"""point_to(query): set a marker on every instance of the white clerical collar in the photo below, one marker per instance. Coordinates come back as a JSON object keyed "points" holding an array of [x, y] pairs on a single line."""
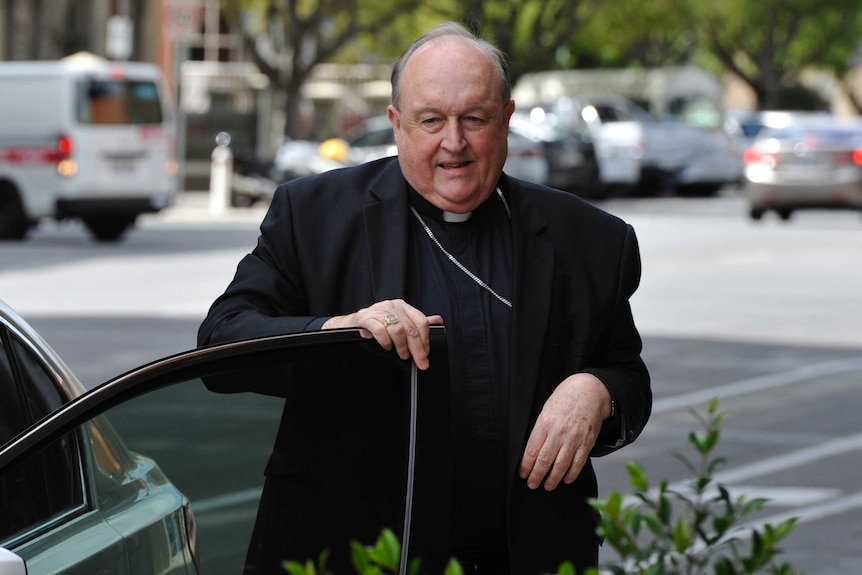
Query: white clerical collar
{"points": [[457, 218]]}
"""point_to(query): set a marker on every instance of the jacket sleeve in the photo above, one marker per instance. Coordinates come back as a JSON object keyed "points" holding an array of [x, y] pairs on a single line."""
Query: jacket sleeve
{"points": [[620, 365], [266, 296]]}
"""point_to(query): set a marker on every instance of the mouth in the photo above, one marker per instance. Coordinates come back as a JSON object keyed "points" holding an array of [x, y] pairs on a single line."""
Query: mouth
{"points": [[454, 165]]}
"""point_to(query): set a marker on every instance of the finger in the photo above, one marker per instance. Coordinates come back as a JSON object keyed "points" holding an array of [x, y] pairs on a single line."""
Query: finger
{"points": [[411, 337], [576, 466], [535, 462], [559, 471]]}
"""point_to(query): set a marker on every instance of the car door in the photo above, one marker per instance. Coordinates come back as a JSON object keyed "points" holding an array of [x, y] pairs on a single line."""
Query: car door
{"points": [[205, 421]]}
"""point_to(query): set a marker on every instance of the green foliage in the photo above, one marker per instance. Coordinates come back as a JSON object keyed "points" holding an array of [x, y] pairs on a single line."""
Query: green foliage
{"points": [[690, 531], [695, 531]]}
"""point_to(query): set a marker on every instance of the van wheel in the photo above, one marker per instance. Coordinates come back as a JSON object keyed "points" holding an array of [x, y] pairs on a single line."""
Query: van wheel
{"points": [[14, 224], [108, 228]]}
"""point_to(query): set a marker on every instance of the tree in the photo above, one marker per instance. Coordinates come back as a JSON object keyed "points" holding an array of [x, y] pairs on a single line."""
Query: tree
{"points": [[770, 42], [288, 38], [625, 33]]}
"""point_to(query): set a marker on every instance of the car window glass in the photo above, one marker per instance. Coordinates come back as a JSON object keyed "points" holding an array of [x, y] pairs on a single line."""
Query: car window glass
{"points": [[42, 390], [607, 113], [118, 101], [12, 418], [213, 448], [44, 490], [27, 390]]}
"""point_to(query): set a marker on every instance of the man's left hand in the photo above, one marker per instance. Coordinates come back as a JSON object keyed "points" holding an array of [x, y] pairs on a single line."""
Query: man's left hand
{"points": [[566, 431]]}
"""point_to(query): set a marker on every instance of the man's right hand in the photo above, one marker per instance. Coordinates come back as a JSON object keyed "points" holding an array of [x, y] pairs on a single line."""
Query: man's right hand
{"points": [[393, 323]]}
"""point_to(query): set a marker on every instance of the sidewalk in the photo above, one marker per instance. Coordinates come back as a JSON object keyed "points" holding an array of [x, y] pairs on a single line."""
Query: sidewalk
{"points": [[194, 206]]}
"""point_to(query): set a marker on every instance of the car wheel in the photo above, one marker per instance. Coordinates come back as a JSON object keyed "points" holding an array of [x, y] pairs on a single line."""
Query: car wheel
{"points": [[13, 221], [784, 214], [756, 213], [240, 200], [109, 228]]}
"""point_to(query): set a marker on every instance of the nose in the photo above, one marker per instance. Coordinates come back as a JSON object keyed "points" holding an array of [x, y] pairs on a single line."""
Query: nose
{"points": [[453, 135]]}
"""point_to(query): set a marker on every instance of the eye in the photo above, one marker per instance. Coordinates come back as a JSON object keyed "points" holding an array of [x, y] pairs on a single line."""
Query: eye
{"points": [[474, 121]]}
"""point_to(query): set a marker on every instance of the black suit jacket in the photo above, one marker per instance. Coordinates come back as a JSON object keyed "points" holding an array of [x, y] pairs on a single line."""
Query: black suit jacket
{"points": [[337, 242]]}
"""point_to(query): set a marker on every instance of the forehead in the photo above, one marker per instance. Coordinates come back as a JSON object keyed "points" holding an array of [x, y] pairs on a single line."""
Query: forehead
{"points": [[450, 68]]}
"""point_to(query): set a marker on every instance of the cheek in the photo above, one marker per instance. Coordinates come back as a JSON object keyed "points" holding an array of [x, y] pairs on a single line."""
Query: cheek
{"points": [[417, 150]]}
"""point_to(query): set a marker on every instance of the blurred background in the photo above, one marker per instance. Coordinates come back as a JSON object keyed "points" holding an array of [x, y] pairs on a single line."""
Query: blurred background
{"points": [[281, 77], [703, 124]]}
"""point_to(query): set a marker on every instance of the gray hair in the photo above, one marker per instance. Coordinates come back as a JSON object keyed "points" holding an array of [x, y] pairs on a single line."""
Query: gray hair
{"points": [[459, 31]]}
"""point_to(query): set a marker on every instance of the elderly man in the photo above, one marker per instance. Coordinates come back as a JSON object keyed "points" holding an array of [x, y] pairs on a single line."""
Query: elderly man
{"points": [[532, 284]]}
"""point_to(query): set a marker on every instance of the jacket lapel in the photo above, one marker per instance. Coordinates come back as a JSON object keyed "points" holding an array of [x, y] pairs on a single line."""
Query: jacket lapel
{"points": [[386, 231]]}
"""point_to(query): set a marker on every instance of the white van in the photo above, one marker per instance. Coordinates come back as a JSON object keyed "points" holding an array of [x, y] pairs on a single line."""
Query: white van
{"points": [[84, 138]]}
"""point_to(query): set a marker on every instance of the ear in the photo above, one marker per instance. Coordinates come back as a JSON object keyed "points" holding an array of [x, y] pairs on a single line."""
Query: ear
{"points": [[393, 117], [510, 109]]}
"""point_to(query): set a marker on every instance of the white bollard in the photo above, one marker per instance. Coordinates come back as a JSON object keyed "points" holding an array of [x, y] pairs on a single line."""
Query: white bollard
{"points": [[221, 170]]}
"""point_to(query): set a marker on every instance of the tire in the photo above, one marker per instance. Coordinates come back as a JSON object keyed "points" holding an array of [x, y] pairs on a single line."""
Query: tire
{"points": [[756, 213], [239, 200], [697, 190], [108, 228], [14, 224], [784, 214]]}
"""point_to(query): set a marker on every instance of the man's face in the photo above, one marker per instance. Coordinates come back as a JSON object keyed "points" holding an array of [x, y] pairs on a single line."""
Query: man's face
{"points": [[451, 124]]}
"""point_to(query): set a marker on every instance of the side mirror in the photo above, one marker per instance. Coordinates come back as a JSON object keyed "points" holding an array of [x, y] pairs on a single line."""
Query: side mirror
{"points": [[11, 564]]}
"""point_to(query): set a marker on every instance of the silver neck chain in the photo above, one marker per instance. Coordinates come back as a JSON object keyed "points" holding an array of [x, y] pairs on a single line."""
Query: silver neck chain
{"points": [[454, 260]]}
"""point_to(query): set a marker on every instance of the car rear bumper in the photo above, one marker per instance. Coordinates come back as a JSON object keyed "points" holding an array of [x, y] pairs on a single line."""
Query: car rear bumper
{"points": [[78, 207]]}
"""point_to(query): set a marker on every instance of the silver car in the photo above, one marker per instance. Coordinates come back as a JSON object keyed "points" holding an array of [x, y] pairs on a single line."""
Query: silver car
{"points": [[811, 164]]}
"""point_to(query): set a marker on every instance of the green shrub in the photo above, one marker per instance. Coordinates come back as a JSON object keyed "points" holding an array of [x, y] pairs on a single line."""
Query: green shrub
{"points": [[697, 531], [690, 532]]}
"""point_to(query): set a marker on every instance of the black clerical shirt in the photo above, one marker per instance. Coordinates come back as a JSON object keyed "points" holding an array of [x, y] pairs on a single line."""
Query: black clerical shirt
{"points": [[479, 340]]}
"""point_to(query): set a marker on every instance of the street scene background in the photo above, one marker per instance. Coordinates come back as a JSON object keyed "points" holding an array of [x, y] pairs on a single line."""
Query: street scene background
{"points": [[762, 315]]}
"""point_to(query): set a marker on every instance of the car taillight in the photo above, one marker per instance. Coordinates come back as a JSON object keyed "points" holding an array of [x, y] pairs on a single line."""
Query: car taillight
{"points": [[754, 156], [857, 156], [66, 166]]}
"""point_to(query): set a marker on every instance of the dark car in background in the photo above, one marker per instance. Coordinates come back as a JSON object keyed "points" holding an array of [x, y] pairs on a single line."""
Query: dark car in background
{"points": [[570, 155], [814, 163]]}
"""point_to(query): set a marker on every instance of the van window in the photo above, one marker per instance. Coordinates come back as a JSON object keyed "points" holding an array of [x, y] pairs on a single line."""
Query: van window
{"points": [[118, 102]]}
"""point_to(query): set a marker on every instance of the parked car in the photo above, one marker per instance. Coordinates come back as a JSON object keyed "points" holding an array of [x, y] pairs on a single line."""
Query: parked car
{"points": [[82, 502], [78, 497], [572, 165], [743, 126], [84, 138], [640, 153], [616, 137], [810, 164]]}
